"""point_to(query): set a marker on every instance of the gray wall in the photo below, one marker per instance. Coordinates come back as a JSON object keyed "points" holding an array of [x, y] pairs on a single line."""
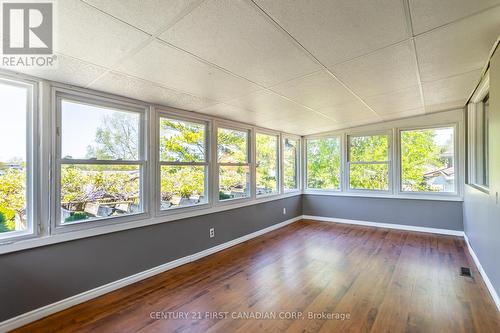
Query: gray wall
{"points": [[481, 210], [421, 213], [33, 278]]}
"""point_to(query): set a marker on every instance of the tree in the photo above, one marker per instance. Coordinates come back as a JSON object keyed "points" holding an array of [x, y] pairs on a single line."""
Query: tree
{"points": [[267, 162], [13, 197], [323, 163], [118, 138], [372, 148], [290, 166], [182, 142], [419, 155]]}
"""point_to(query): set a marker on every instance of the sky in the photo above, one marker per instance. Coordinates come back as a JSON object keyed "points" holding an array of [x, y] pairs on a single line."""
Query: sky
{"points": [[12, 123], [79, 125]]}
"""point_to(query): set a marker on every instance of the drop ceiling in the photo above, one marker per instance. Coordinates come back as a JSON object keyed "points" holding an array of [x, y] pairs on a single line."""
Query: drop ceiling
{"points": [[298, 66]]}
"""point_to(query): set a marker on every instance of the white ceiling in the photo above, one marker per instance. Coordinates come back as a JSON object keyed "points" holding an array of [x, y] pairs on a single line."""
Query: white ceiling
{"points": [[298, 66]]}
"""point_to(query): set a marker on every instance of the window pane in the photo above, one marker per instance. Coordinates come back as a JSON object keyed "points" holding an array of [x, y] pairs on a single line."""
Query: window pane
{"points": [[182, 141], [290, 168], [370, 148], [373, 177], [98, 132], [89, 192], [482, 143], [13, 174], [323, 163], [182, 186], [427, 160], [267, 164], [232, 146], [234, 182]]}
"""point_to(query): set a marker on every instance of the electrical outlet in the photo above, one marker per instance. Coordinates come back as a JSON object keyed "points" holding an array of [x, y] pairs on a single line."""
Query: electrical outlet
{"points": [[284, 211], [212, 232]]}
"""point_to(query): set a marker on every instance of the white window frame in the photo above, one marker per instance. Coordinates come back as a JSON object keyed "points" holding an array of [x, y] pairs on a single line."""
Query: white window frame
{"points": [[208, 157], [342, 161], [298, 159], [279, 159], [389, 161], [250, 162], [33, 171], [456, 165], [143, 161], [473, 108]]}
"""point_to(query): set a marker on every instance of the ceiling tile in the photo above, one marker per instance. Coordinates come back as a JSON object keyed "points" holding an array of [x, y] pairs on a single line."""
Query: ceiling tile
{"points": [[267, 102], [429, 14], [403, 114], [338, 30], [459, 47], [350, 112], [84, 32], [236, 36], [387, 70], [149, 92], [179, 71], [395, 102], [316, 90], [67, 70], [451, 92], [150, 17]]}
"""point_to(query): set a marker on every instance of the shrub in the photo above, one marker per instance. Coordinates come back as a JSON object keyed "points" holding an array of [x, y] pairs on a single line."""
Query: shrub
{"points": [[224, 196], [76, 216], [7, 219]]}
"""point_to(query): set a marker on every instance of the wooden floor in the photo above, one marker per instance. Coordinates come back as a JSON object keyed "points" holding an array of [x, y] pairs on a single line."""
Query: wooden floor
{"points": [[352, 278]]}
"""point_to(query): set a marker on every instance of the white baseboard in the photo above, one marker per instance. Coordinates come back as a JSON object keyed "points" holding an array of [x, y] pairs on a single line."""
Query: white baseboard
{"points": [[486, 280], [385, 225], [47, 310]]}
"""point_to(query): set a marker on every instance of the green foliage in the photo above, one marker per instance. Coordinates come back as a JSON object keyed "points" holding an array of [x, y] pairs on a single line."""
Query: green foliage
{"points": [[223, 196], [7, 219], [373, 148], [290, 166], [76, 216], [12, 198], [182, 141], [267, 162], [323, 163], [118, 138], [232, 146], [419, 154], [89, 183]]}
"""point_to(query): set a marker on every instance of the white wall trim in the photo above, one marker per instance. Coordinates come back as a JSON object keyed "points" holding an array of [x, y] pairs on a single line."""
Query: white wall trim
{"points": [[486, 280], [385, 225], [47, 310]]}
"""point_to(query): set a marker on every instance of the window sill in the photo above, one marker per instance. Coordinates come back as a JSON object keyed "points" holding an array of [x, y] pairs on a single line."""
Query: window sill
{"points": [[9, 246], [387, 195], [480, 188]]}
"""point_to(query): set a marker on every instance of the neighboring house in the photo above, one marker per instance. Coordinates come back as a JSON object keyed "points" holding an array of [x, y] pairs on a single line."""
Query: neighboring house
{"points": [[442, 179]]}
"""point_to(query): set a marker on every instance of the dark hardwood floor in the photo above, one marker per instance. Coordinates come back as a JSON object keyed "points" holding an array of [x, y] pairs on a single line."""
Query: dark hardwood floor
{"points": [[351, 278]]}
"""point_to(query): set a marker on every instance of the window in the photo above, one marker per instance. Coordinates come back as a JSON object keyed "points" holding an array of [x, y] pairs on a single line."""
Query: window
{"points": [[101, 161], [290, 164], [15, 159], [428, 160], [183, 163], [481, 149], [324, 163], [478, 136], [369, 162], [267, 152], [233, 164]]}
